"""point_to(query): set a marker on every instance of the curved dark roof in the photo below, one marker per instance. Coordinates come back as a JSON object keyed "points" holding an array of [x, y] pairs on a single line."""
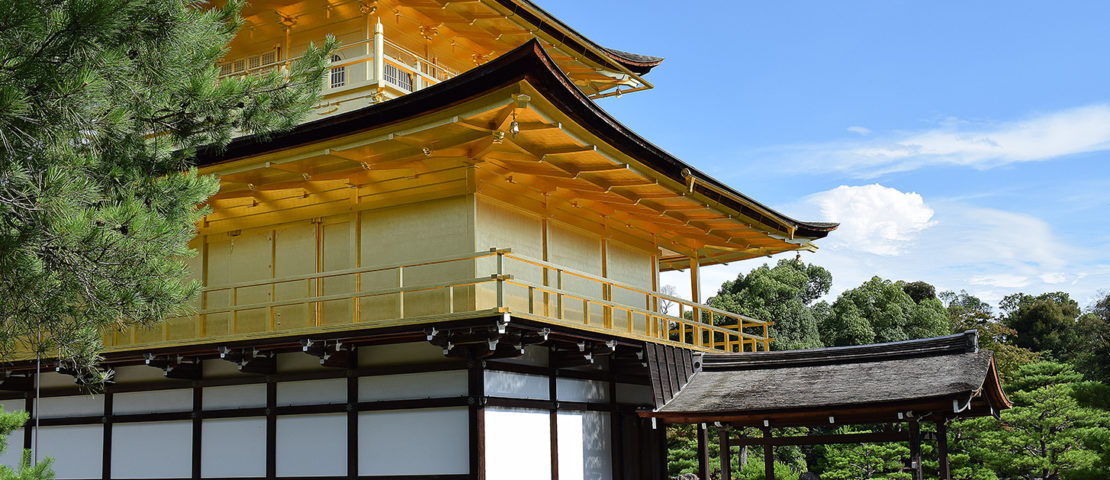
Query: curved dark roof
{"points": [[528, 62], [640, 64], [933, 371]]}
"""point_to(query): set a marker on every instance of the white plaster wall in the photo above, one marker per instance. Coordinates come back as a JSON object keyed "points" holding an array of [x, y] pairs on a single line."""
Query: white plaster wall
{"points": [[585, 446], [299, 361], [518, 444], [139, 374], [312, 445], [233, 447], [72, 406], [516, 385], [152, 450], [177, 400], [413, 442], [450, 383], [234, 396], [533, 355], [578, 390], [312, 392], [76, 449]]}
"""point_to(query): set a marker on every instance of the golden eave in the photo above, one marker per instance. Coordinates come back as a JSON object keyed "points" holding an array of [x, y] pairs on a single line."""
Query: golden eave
{"points": [[552, 167]]}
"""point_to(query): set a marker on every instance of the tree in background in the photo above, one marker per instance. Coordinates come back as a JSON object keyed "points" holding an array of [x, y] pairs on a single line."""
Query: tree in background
{"points": [[1088, 343], [1041, 321], [1046, 435], [967, 312], [784, 294], [103, 104], [881, 311]]}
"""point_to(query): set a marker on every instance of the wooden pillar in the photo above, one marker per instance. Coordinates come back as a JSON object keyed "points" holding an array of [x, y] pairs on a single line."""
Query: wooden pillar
{"points": [[703, 451], [726, 454], [915, 450], [944, 471], [768, 456], [476, 390], [695, 281], [664, 455]]}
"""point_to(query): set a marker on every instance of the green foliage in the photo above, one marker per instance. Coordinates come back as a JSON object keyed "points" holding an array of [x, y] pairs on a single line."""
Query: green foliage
{"points": [[103, 104], [757, 471], [1088, 344], [967, 312], [880, 311], [1047, 434], [783, 294], [1041, 321], [919, 291], [10, 422], [868, 460]]}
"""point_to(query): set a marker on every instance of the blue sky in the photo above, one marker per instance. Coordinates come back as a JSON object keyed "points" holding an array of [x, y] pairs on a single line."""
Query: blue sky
{"points": [[966, 144]]}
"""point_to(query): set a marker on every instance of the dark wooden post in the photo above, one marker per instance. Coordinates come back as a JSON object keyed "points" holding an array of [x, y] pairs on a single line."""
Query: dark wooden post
{"points": [[703, 451], [768, 456], [915, 450], [944, 472], [726, 454]]}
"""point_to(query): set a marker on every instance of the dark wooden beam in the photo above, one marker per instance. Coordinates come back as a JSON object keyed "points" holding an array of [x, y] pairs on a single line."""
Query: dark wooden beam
{"points": [[726, 454], [768, 455], [703, 451], [944, 472], [874, 437], [915, 450], [476, 391], [106, 458]]}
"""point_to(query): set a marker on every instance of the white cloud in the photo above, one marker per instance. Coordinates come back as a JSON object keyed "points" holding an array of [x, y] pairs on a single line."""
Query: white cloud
{"points": [[873, 218], [1054, 278], [860, 130], [953, 142], [989, 252]]}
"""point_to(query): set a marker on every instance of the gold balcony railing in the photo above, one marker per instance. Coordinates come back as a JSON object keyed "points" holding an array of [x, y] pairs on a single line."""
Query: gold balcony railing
{"points": [[447, 288]]}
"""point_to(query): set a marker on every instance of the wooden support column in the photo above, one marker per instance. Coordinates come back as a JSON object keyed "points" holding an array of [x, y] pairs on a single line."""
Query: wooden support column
{"points": [[726, 453], [660, 434], [944, 471], [106, 458], [352, 417], [198, 410], [695, 295], [271, 428], [768, 456], [915, 450], [553, 426], [476, 381], [703, 451]]}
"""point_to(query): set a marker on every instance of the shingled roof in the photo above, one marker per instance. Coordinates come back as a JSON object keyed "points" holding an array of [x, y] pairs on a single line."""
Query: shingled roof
{"points": [[949, 375]]}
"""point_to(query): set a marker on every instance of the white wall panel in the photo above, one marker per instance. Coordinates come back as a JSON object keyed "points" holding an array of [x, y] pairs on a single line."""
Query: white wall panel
{"points": [[312, 445], [178, 400], [74, 406], [152, 450], [139, 374], [578, 390], [413, 442], [516, 385], [77, 449], [234, 396], [585, 446], [518, 444], [450, 383], [233, 447], [312, 392]]}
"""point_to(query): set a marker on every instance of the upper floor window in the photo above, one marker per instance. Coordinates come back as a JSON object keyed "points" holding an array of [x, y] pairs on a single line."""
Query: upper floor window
{"points": [[338, 74]]}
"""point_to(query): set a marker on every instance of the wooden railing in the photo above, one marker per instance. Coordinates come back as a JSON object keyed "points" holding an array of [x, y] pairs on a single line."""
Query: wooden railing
{"points": [[399, 69], [445, 288]]}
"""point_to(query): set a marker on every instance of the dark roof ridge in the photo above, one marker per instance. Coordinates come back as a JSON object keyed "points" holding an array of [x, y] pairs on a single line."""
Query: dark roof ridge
{"points": [[965, 342], [640, 64]]}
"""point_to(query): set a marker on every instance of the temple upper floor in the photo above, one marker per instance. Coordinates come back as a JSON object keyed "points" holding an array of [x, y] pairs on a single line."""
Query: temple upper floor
{"points": [[390, 48]]}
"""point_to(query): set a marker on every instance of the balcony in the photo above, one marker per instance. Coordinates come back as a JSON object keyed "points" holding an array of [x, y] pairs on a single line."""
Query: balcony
{"points": [[446, 289], [361, 73]]}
